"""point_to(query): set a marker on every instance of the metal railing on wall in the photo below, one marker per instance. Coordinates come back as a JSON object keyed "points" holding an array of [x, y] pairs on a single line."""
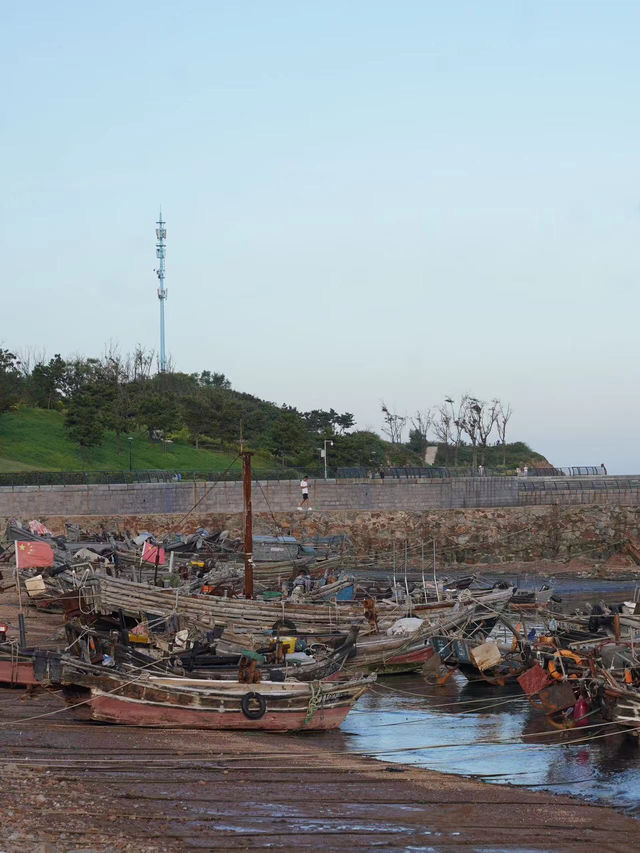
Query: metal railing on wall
{"points": [[81, 478], [536, 478]]}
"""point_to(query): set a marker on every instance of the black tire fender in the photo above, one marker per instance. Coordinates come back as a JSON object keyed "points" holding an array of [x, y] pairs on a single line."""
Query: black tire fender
{"points": [[252, 713]]}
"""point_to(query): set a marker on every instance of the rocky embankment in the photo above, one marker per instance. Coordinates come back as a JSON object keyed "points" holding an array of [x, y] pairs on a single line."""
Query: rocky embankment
{"points": [[580, 538]]}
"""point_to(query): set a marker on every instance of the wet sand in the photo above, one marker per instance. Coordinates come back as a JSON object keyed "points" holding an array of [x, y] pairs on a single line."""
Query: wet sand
{"points": [[78, 786], [105, 788]]}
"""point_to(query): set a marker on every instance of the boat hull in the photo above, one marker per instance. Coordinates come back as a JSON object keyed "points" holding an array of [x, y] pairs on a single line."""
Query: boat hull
{"points": [[169, 702], [17, 673], [400, 664], [27, 667], [124, 712]]}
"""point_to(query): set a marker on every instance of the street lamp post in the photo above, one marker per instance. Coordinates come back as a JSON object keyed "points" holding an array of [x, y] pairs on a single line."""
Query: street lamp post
{"points": [[130, 440], [323, 454]]}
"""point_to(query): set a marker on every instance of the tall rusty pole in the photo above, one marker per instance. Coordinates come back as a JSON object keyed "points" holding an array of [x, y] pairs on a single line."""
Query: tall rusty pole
{"points": [[248, 525]]}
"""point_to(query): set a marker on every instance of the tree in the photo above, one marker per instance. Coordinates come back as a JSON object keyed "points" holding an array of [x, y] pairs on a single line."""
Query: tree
{"points": [[46, 382], [478, 421], [141, 363], [120, 405], [214, 380], [10, 380], [394, 424], [227, 420], [323, 423], [198, 415], [84, 416], [320, 422], [77, 372], [344, 422], [442, 428], [159, 413], [447, 424], [469, 425], [288, 436], [503, 418], [486, 423], [176, 383], [362, 448], [418, 436]]}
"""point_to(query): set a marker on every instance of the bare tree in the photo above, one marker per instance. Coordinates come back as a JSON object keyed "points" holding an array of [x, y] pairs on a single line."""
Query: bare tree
{"points": [[478, 421], [455, 413], [470, 425], [421, 422], [504, 415], [29, 357], [394, 424], [487, 421], [442, 428], [142, 363]]}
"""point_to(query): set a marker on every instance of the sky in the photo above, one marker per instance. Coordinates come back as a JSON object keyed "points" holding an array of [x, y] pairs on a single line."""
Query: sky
{"points": [[365, 201]]}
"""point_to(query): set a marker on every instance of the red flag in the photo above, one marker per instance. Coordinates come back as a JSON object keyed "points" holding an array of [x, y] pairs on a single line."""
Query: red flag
{"points": [[149, 552], [31, 555]]}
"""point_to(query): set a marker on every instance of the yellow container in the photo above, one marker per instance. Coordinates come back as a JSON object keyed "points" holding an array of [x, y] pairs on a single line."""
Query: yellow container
{"points": [[139, 638], [288, 643]]}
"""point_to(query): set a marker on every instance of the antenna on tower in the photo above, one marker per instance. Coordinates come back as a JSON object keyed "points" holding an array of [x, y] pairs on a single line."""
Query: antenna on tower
{"points": [[161, 248]]}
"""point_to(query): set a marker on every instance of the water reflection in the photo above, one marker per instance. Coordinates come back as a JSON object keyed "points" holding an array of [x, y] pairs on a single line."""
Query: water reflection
{"points": [[493, 734]]}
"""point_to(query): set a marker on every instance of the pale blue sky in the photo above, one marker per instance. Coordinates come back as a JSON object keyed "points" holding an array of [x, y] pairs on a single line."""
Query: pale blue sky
{"points": [[364, 200]]}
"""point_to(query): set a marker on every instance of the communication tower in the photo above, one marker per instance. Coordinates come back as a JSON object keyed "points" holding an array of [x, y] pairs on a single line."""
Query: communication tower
{"points": [[161, 248]]}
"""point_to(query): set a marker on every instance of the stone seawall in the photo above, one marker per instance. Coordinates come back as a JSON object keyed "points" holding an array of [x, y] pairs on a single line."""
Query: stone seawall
{"points": [[461, 535], [327, 496]]}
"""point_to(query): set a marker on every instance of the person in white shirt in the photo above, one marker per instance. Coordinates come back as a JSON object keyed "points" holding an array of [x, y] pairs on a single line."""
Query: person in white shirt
{"points": [[304, 485]]}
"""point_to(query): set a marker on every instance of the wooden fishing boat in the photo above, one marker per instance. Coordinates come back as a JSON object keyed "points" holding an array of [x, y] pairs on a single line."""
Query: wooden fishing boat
{"points": [[26, 667], [488, 597], [391, 654], [104, 595], [16, 667], [479, 658], [92, 643], [615, 671], [94, 693]]}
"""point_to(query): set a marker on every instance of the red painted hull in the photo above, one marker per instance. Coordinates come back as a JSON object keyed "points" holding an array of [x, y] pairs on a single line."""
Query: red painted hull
{"points": [[111, 709], [17, 673], [419, 656]]}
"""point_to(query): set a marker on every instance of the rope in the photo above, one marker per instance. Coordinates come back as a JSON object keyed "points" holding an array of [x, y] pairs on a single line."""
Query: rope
{"points": [[197, 503], [315, 701], [277, 526]]}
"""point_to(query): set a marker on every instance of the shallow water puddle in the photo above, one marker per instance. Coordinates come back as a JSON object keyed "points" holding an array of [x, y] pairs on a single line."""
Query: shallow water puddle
{"points": [[493, 734]]}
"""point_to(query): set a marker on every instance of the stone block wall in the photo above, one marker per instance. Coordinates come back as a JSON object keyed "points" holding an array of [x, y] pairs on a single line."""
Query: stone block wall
{"points": [[277, 496], [326, 496]]}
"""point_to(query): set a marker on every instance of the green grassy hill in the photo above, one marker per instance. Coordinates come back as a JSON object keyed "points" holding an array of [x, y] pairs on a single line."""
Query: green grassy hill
{"points": [[515, 454], [35, 440]]}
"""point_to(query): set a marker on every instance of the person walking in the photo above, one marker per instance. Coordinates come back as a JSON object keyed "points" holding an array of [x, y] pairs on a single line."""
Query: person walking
{"points": [[304, 485]]}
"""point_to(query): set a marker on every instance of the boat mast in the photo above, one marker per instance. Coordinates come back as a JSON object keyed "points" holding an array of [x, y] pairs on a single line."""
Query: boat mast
{"points": [[248, 524]]}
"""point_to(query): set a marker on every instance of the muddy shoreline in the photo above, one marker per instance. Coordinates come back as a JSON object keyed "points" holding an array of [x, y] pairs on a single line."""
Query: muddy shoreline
{"points": [[100, 788], [69, 786]]}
